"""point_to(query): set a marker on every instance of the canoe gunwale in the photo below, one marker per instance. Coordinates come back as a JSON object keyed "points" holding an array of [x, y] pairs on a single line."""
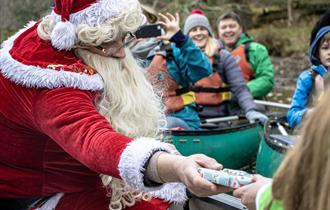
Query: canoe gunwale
{"points": [[277, 145], [233, 128]]}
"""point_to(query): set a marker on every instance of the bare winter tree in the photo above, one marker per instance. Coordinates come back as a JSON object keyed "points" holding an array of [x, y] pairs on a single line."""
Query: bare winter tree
{"points": [[289, 8]]}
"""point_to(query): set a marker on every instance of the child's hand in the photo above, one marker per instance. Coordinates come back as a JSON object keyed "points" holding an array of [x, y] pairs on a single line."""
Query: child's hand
{"points": [[319, 85], [170, 25], [248, 193]]}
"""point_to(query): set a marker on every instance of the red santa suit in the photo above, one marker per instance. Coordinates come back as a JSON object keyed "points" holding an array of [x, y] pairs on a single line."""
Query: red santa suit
{"points": [[53, 139]]}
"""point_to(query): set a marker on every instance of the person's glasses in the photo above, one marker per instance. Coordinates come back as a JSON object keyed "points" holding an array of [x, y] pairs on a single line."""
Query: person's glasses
{"points": [[128, 38]]}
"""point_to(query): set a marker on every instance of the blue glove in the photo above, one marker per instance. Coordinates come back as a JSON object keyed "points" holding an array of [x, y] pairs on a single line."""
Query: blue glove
{"points": [[252, 116]]}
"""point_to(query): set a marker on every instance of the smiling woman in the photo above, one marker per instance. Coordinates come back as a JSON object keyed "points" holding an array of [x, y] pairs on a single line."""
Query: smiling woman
{"points": [[198, 27], [213, 93]]}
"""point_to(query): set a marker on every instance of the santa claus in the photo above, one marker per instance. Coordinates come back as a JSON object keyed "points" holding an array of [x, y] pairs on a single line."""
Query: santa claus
{"points": [[78, 120]]}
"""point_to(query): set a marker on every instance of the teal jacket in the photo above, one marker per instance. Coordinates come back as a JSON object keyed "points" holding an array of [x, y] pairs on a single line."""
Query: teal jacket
{"points": [[262, 66], [188, 66]]}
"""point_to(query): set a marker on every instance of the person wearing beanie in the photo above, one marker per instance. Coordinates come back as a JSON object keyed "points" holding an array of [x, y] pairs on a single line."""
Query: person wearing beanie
{"points": [[197, 18], [81, 126], [252, 57], [213, 93], [310, 83]]}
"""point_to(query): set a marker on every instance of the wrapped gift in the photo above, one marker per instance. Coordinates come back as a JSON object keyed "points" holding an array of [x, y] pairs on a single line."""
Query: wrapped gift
{"points": [[226, 177]]}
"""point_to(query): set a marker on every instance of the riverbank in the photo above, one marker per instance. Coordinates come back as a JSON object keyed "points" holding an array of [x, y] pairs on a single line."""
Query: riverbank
{"points": [[287, 70]]}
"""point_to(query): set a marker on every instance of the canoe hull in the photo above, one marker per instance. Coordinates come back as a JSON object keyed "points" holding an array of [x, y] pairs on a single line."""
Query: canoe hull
{"points": [[272, 149], [268, 160], [234, 147]]}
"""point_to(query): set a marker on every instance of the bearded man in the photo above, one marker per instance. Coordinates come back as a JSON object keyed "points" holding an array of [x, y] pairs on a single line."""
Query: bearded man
{"points": [[74, 107]]}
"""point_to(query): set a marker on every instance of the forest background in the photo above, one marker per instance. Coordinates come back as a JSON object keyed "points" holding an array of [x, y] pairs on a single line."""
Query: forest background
{"points": [[283, 26]]}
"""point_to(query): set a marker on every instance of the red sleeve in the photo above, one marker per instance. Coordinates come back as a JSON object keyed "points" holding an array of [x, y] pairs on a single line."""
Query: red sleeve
{"points": [[69, 117]]}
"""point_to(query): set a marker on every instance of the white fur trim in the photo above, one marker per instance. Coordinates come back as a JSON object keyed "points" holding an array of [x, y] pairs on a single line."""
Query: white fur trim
{"points": [[63, 36], [51, 202], [99, 12], [131, 170], [34, 76]]}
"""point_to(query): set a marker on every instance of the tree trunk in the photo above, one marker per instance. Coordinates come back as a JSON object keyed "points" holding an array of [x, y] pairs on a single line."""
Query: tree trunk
{"points": [[289, 8]]}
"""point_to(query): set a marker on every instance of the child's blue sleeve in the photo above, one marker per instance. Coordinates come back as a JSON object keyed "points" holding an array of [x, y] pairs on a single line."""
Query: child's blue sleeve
{"points": [[300, 99]]}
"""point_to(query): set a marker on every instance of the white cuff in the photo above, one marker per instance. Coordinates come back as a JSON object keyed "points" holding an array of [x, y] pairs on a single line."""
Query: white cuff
{"points": [[51, 203], [132, 161]]}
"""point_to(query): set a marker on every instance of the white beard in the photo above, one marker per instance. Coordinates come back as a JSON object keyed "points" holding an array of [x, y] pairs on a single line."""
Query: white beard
{"points": [[128, 100]]}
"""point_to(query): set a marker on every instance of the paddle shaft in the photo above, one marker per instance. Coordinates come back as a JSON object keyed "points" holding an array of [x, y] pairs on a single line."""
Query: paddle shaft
{"points": [[282, 129], [273, 104], [221, 119]]}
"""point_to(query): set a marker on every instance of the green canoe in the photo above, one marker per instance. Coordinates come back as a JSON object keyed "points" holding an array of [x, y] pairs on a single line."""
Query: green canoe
{"points": [[233, 144], [273, 148]]}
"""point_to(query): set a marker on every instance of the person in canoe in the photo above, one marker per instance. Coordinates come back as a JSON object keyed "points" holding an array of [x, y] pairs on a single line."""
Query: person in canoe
{"points": [[79, 123], [252, 56], [172, 62], [176, 63], [310, 83], [219, 94]]}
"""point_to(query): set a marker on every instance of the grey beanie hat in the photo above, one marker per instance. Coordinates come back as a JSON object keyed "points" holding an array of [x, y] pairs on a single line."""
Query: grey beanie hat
{"points": [[196, 20]]}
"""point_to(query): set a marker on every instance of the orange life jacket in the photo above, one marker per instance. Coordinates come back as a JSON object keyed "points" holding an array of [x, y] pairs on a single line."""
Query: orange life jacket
{"points": [[211, 90], [240, 55], [159, 77]]}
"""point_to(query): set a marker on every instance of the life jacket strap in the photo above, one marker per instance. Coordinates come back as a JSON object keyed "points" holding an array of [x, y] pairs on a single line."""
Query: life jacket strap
{"points": [[209, 89], [188, 98]]}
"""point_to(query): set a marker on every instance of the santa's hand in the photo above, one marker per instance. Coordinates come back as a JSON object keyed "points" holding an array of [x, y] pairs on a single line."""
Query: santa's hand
{"points": [[248, 193], [184, 169]]}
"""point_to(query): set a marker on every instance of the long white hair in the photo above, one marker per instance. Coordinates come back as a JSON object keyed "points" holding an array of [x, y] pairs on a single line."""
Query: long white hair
{"points": [[128, 100]]}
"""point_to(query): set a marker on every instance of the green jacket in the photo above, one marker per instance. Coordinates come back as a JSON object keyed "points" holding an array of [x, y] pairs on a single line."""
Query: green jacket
{"points": [[262, 66]]}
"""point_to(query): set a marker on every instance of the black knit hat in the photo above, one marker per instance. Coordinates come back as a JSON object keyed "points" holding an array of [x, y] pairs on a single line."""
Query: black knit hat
{"points": [[324, 21]]}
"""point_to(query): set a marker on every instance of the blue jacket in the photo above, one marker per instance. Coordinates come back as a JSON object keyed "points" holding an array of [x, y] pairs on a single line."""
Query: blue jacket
{"points": [[302, 93], [190, 64], [305, 82]]}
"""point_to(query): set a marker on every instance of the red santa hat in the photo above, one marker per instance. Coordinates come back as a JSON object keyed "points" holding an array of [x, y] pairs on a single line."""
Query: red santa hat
{"points": [[29, 60], [68, 14]]}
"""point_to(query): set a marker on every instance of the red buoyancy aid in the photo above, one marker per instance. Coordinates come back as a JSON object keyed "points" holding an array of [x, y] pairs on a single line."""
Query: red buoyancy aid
{"points": [[240, 55], [159, 77], [211, 90]]}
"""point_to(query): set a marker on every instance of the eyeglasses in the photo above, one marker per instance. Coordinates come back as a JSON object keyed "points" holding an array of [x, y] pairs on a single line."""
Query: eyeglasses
{"points": [[128, 38]]}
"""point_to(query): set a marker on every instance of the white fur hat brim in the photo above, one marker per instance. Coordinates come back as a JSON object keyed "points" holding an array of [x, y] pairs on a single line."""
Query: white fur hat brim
{"points": [[63, 36]]}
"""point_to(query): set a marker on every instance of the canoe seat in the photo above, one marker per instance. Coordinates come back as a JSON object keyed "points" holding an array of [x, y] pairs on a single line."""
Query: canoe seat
{"points": [[209, 126]]}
